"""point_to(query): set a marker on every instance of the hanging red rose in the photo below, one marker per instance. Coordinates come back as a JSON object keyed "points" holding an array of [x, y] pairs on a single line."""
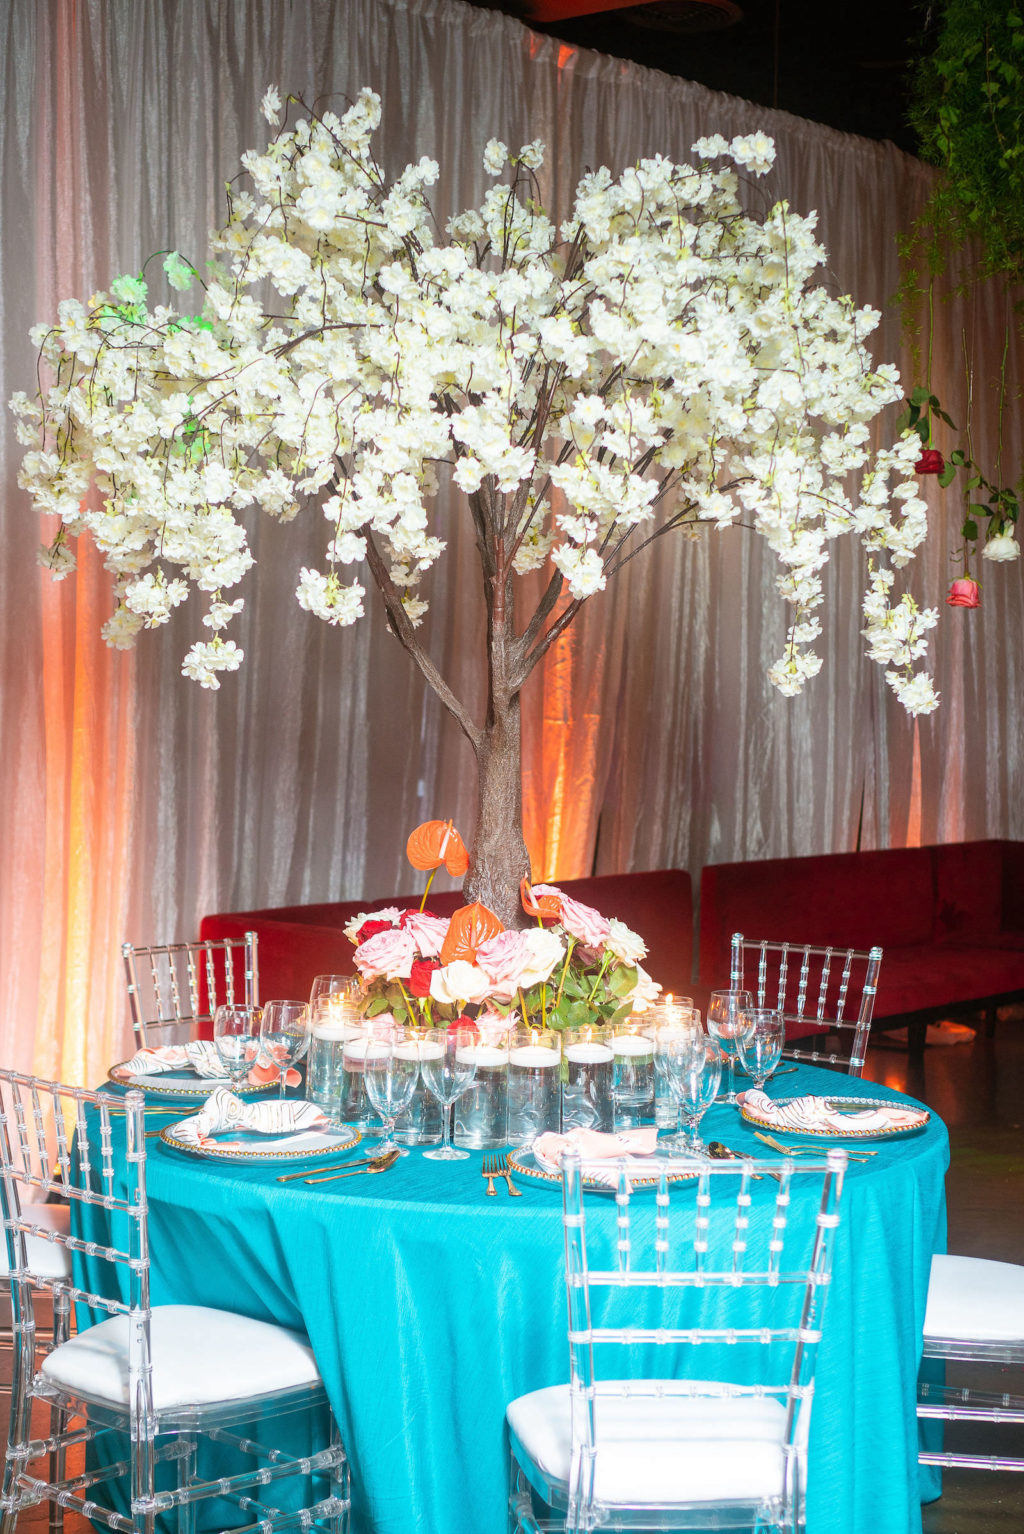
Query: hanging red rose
{"points": [[931, 461], [964, 593]]}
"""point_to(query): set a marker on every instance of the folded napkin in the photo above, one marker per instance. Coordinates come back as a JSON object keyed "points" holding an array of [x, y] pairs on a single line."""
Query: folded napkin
{"points": [[200, 1056], [596, 1145], [224, 1111], [814, 1114]]}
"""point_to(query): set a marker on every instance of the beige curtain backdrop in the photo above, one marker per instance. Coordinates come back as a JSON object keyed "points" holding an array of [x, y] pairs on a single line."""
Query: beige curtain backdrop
{"points": [[131, 801]]}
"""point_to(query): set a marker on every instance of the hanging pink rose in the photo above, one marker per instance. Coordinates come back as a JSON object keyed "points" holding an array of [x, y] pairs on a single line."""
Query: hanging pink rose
{"points": [[931, 461], [964, 593], [388, 955], [584, 923]]}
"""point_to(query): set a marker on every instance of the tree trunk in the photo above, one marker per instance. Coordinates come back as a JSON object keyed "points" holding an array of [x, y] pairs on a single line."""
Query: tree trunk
{"points": [[498, 859]]}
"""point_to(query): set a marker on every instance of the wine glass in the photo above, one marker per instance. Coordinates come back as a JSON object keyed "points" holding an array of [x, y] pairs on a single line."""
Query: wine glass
{"points": [[235, 1031], [447, 1065], [390, 1075], [284, 1034], [761, 1046], [693, 1070], [728, 1020]]}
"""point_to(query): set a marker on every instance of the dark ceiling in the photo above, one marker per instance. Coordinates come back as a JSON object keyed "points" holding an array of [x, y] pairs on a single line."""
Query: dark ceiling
{"points": [[841, 64]]}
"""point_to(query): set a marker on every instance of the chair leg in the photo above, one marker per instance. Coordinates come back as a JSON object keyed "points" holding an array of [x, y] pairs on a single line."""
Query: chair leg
{"points": [[340, 1484], [58, 1466], [186, 1475]]}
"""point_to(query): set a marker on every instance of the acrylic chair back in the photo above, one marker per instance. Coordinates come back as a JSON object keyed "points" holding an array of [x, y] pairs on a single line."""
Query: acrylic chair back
{"points": [[731, 1258], [175, 988], [56, 1139], [819, 991]]}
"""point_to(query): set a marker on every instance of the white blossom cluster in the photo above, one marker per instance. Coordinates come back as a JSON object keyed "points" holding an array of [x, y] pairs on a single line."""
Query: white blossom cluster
{"points": [[663, 357]]}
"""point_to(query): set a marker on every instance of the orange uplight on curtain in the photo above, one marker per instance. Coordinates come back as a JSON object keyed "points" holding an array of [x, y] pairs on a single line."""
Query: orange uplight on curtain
{"points": [[913, 836]]}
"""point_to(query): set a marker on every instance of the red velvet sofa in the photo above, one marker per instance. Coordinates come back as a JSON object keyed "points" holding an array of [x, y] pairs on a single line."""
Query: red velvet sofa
{"points": [[949, 919], [298, 942]]}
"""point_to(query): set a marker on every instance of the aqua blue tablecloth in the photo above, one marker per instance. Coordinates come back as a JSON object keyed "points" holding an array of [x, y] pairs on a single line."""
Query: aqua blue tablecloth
{"points": [[430, 1307]]}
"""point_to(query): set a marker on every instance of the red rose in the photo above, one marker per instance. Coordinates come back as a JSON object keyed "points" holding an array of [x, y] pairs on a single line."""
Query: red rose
{"points": [[414, 915], [370, 929], [462, 1022], [419, 978], [931, 461], [964, 593]]}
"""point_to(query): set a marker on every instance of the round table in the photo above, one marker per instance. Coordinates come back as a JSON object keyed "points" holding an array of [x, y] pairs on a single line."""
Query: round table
{"points": [[430, 1306]]}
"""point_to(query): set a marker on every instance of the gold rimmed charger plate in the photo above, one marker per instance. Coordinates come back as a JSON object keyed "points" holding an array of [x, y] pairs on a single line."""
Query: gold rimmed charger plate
{"points": [[311, 1145], [181, 1086], [844, 1105], [525, 1164]]}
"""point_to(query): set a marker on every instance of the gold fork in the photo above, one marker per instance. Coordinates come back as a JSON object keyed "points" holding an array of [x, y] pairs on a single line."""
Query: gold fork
{"points": [[807, 1150], [489, 1169], [502, 1170]]}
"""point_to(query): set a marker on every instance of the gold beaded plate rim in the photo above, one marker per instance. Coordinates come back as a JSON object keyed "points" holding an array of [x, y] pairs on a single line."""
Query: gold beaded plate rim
{"points": [[188, 1090], [525, 1164], [212, 1152], [895, 1132]]}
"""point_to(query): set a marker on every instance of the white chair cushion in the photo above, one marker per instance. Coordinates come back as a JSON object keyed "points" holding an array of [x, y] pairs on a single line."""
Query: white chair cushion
{"points": [[975, 1300], [200, 1356], [46, 1258], [660, 1451]]}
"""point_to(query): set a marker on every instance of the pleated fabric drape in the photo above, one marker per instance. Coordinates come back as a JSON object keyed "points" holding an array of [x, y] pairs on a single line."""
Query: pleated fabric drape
{"points": [[131, 801]]}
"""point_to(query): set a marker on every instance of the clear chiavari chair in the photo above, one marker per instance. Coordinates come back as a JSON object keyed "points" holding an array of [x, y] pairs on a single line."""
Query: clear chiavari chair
{"points": [[975, 1314], [149, 1386], [174, 987], [819, 991], [649, 1441]]}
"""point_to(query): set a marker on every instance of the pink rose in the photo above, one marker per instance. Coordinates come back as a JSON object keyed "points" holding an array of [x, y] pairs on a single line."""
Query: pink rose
{"points": [[584, 923], [427, 932], [389, 954], [964, 593], [504, 959], [492, 1027]]}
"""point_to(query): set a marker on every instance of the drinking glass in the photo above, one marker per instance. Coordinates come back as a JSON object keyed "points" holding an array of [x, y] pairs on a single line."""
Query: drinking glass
{"points": [[761, 1046], [672, 1019], [235, 1037], [693, 1070], [390, 1076], [284, 1034], [728, 1020], [447, 1065]]}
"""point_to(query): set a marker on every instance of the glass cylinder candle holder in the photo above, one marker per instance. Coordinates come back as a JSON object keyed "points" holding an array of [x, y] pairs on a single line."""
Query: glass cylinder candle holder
{"points": [[332, 1025], [534, 1084], [632, 1074], [587, 1079], [669, 1019], [420, 1123], [356, 1108], [481, 1112]]}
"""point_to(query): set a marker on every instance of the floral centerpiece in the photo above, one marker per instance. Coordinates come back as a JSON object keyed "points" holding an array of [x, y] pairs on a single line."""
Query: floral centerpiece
{"points": [[668, 355], [574, 968]]}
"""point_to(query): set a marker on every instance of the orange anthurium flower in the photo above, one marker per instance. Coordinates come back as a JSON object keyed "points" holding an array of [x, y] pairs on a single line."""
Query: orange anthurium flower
{"points": [[468, 929], [436, 842], [545, 901]]}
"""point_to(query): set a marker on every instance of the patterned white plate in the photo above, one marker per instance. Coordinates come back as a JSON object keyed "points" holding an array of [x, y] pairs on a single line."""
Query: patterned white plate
{"points": [[246, 1145], [182, 1086], [603, 1176], [842, 1105]]}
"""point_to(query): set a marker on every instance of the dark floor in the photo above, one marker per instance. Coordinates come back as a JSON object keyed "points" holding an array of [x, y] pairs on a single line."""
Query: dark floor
{"points": [[978, 1089]]}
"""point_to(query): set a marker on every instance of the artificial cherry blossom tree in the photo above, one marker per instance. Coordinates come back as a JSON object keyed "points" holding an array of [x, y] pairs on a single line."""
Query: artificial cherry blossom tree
{"points": [[663, 359]]}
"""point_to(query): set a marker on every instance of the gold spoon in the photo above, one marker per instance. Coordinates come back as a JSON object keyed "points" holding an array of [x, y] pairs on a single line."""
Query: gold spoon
{"points": [[379, 1164]]}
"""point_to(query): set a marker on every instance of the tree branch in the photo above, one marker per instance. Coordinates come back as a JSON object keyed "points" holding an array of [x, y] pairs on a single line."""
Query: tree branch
{"points": [[404, 632]]}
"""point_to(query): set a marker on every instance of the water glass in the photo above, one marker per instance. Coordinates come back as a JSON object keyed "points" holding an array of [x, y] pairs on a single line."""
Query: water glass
{"points": [[674, 1018], [284, 1035], [693, 1069], [534, 1085], [632, 1074], [761, 1046], [587, 1085], [236, 1040], [390, 1074], [447, 1065], [727, 1022]]}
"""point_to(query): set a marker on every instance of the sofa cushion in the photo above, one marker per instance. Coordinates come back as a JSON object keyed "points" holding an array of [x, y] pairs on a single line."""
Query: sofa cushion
{"points": [[923, 978]]}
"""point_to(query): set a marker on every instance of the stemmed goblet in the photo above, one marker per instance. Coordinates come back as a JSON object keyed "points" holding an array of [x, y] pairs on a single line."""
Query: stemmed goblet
{"points": [[390, 1076], [235, 1038], [447, 1065], [693, 1071], [728, 1020], [761, 1045], [284, 1034]]}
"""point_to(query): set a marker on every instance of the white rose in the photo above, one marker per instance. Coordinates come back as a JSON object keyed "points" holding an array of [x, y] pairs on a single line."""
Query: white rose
{"points": [[1002, 546], [645, 992], [626, 945], [544, 950], [458, 983]]}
